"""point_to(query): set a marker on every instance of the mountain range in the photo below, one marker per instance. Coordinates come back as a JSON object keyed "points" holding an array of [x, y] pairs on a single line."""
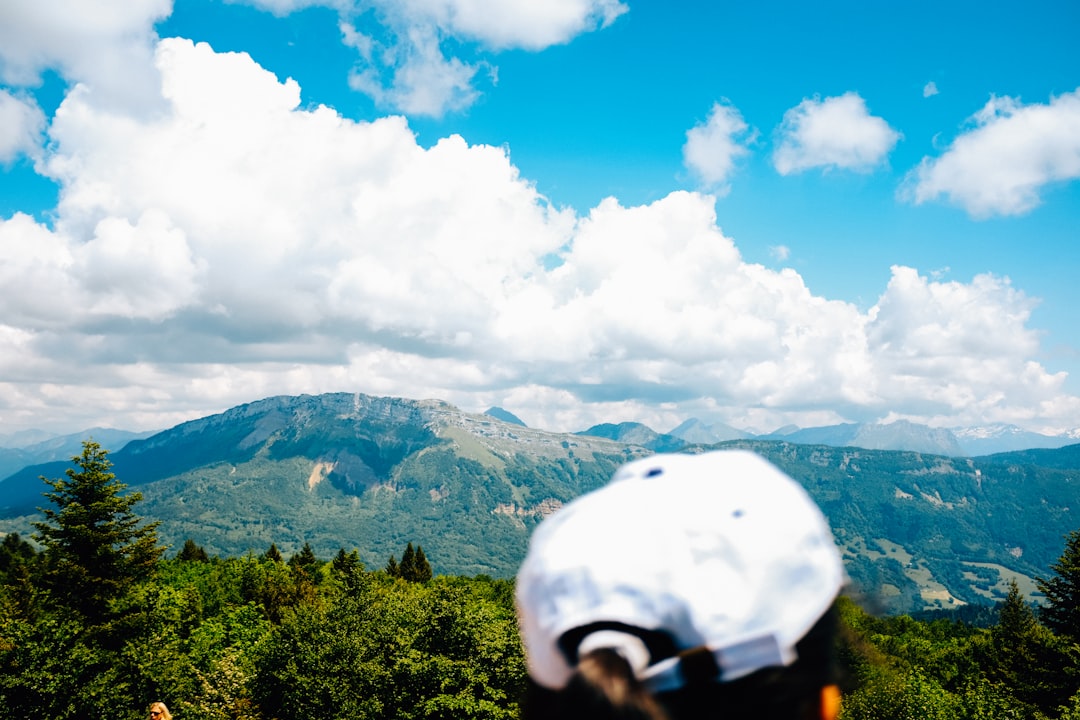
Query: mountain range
{"points": [[918, 529]]}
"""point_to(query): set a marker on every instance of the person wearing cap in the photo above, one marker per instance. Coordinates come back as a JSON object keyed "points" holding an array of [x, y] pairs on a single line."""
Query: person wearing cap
{"points": [[690, 586]]}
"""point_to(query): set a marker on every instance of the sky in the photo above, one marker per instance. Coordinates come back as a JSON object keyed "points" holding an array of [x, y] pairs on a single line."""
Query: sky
{"points": [[581, 211]]}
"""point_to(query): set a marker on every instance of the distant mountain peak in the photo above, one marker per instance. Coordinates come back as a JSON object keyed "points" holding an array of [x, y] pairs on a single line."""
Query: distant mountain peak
{"points": [[635, 433], [505, 415], [696, 432]]}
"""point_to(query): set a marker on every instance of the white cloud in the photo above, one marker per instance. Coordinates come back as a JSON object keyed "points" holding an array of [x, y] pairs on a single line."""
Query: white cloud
{"points": [[1001, 165], [106, 45], [504, 24], [958, 350], [837, 132], [22, 125], [498, 24], [403, 65], [780, 252], [713, 147], [424, 81], [237, 246], [930, 89]]}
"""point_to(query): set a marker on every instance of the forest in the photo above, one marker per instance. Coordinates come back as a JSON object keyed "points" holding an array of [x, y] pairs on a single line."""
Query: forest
{"points": [[99, 619]]}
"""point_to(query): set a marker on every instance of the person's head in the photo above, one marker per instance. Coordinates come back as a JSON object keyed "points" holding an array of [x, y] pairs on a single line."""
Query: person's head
{"points": [[689, 586], [158, 711]]}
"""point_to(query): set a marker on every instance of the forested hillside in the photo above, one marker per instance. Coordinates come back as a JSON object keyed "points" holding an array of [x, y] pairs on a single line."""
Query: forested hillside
{"points": [[99, 622], [355, 471]]}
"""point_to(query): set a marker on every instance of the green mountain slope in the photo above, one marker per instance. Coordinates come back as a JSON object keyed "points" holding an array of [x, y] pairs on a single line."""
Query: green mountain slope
{"points": [[355, 471]]}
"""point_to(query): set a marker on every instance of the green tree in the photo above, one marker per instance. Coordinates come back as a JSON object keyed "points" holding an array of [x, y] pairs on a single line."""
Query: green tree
{"points": [[273, 554], [95, 547], [414, 565], [408, 563], [421, 566], [14, 552], [306, 563], [1061, 612], [192, 552], [1025, 656]]}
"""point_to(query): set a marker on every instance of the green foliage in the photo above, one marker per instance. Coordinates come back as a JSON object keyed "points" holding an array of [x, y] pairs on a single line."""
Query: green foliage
{"points": [[1061, 613], [414, 566], [273, 554], [389, 649], [95, 547], [251, 637], [305, 564], [192, 552]]}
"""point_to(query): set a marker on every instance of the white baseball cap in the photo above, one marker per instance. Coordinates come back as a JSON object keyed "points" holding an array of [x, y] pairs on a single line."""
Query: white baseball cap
{"points": [[720, 552]]}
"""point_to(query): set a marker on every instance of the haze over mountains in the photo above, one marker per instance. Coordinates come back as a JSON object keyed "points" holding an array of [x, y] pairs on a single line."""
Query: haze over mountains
{"points": [[918, 528]]}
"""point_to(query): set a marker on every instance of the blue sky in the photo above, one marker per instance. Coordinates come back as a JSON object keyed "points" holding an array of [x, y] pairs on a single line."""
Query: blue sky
{"points": [[582, 211]]}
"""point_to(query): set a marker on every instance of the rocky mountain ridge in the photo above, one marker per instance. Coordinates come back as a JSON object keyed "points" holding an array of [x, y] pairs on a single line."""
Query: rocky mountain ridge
{"points": [[347, 470]]}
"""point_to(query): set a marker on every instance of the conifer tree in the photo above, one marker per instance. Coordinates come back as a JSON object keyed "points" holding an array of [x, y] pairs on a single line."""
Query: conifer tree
{"points": [[1027, 658], [95, 547], [414, 565], [191, 552], [306, 563], [273, 554], [407, 568], [347, 562], [421, 567], [1061, 612], [14, 552]]}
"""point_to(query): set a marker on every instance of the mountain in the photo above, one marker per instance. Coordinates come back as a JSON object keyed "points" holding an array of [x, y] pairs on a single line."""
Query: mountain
{"points": [[899, 435], [345, 470], [505, 415], [695, 432], [1000, 438], [23, 438], [59, 447], [350, 471], [1065, 458], [633, 433], [904, 435]]}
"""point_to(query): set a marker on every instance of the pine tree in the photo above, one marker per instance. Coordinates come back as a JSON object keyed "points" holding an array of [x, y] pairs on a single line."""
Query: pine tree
{"points": [[1027, 658], [1061, 612], [14, 553], [407, 568], [414, 565], [273, 554], [95, 547], [306, 563], [421, 567], [348, 570], [191, 552]]}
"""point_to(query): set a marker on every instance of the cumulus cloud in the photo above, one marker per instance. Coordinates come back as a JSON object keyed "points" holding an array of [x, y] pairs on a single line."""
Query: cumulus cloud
{"points": [[930, 89], [238, 245], [1000, 165], [106, 46], [948, 344], [412, 76], [713, 147], [403, 64], [22, 126], [837, 132]]}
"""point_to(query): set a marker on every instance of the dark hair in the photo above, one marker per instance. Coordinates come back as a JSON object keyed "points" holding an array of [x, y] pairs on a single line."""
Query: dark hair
{"points": [[603, 687]]}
